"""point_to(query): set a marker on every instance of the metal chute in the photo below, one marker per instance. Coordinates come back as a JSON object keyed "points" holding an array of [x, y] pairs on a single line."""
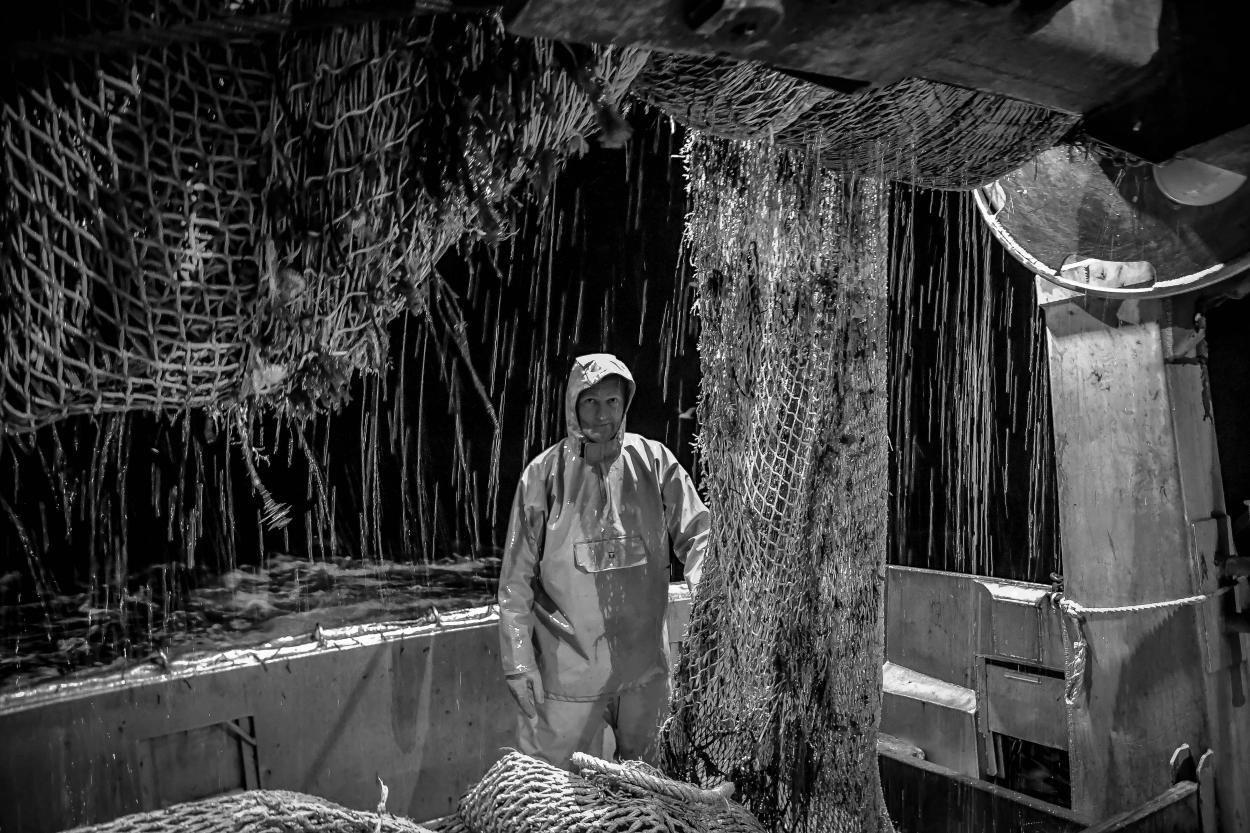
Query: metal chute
{"points": [[1112, 226]]}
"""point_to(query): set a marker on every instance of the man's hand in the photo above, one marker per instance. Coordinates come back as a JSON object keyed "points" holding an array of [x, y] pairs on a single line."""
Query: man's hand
{"points": [[527, 689]]}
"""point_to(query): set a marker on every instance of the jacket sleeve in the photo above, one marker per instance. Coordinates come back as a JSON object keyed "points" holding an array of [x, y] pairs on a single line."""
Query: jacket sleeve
{"points": [[688, 520], [526, 525]]}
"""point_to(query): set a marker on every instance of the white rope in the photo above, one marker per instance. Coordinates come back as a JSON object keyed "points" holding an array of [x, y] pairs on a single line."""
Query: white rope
{"points": [[1075, 615], [1076, 609]]}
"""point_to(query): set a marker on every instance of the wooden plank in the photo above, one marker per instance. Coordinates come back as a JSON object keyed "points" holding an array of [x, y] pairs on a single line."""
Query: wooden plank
{"points": [[1181, 765], [1206, 792], [863, 40], [923, 797], [1079, 55], [1229, 150], [1175, 810], [1125, 540], [1226, 681], [1112, 39]]}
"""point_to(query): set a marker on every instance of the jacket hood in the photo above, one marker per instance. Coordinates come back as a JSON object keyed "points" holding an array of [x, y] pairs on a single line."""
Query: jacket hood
{"points": [[587, 371]]}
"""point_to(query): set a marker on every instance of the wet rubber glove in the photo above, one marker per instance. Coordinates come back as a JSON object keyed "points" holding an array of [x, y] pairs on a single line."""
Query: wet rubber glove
{"points": [[527, 689]]}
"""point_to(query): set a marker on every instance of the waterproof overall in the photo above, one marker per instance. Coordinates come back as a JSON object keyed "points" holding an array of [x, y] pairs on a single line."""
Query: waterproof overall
{"points": [[583, 588]]}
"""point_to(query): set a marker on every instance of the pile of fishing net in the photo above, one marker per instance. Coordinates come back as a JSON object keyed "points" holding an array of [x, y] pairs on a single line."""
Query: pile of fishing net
{"points": [[258, 811], [520, 794], [221, 204]]}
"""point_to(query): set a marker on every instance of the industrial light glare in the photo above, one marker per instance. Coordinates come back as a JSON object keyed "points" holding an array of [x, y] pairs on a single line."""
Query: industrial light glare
{"points": [[1190, 182]]}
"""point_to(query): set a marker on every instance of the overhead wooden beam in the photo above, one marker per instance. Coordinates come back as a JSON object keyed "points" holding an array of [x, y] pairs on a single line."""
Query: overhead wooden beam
{"points": [[1069, 56]]}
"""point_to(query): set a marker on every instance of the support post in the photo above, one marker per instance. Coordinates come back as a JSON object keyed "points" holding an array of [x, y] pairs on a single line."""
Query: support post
{"points": [[1140, 509]]}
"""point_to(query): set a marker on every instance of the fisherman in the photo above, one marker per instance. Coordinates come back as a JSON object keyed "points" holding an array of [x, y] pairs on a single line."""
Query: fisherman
{"points": [[583, 588]]}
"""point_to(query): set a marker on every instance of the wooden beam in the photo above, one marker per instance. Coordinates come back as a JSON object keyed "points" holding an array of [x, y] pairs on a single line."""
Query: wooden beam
{"points": [[1229, 150], [1125, 541], [922, 796], [1070, 56], [1175, 810], [1139, 485]]}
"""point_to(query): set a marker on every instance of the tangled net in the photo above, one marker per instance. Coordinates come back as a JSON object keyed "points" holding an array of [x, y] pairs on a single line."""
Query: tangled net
{"points": [[231, 221], [258, 811], [915, 131], [778, 688], [520, 794]]}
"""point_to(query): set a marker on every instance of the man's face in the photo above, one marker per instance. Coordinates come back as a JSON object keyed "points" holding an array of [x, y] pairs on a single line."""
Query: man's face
{"points": [[600, 408]]}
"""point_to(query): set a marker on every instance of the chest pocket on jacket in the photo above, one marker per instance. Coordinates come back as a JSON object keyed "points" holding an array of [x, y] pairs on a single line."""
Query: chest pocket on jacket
{"points": [[600, 554]]}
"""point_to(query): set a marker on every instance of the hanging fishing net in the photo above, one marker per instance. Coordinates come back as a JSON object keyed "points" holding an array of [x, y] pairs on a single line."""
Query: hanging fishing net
{"points": [[778, 688], [922, 132], [207, 209]]}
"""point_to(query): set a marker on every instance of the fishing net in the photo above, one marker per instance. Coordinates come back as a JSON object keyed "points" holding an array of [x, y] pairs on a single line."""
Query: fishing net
{"points": [[258, 811], [520, 794], [778, 688], [916, 131], [203, 213]]}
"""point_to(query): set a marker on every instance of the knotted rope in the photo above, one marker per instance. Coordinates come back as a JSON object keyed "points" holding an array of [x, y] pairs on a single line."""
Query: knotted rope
{"points": [[1074, 615], [520, 794], [645, 781]]}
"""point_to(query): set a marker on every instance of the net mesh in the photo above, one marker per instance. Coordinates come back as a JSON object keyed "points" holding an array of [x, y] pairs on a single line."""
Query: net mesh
{"points": [[778, 687], [520, 794], [916, 131], [258, 811], [233, 221]]}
